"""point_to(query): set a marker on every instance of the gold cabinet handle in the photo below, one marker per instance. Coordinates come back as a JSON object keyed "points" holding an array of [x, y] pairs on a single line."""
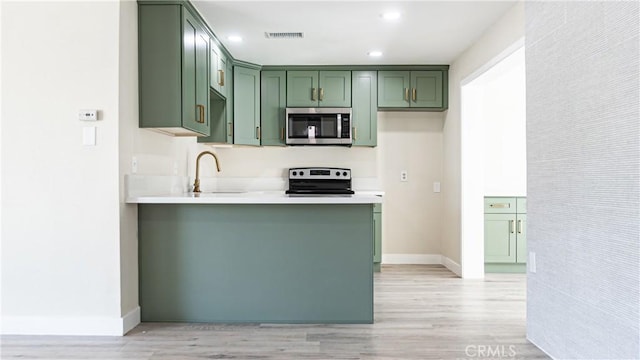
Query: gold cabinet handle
{"points": [[281, 133], [313, 94], [415, 94], [406, 94], [200, 113], [258, 132], [230, 129], [512, 224], [321, 94], [221, 77], [519, 226], [500, 205], [354, 132]]}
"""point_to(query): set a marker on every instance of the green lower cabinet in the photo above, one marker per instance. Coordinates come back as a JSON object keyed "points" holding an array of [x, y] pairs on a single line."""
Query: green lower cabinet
{"points": [[364, 109], [377, 237], [246, 106], [500, 238], [505, 237], [273, 103]]}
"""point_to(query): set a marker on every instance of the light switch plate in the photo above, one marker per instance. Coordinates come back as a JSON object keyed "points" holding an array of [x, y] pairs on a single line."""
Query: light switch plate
{"points": [[436, 187], [532, 262], [89, 136]]}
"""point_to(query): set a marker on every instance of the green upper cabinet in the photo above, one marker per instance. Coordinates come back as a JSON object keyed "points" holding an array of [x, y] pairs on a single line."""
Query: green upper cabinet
{"points": [[173, 70], [273, 103], [218, 69], [364, 118], [246, 106], [426, 89], [319, 88]]}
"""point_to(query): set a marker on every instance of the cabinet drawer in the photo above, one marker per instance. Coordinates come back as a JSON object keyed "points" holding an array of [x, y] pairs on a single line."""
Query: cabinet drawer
{"points": [[521, 205], [500, 205]]}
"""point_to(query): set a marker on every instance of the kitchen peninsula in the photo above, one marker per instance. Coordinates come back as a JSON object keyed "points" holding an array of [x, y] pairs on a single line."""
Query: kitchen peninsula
{"points": [[256, 257]]}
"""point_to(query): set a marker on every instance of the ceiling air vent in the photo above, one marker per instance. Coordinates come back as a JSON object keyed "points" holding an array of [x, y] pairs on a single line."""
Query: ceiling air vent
{"points": [[283, 35]]}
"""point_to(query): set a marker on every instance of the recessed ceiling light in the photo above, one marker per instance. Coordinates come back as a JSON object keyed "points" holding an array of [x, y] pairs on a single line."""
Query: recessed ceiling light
{"points": [[234, 38], [375, 53], [391, 16]]}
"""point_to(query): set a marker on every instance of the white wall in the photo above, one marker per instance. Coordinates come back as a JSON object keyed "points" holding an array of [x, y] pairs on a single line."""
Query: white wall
{"points": [[503, 119], [412, 220], [60, 218], [583, 206], [500, 36]]}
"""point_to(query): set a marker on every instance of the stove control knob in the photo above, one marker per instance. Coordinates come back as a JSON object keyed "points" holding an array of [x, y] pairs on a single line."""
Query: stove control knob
{"points": [[337, 173], [301, 173], [295, 173], [344, 173]]}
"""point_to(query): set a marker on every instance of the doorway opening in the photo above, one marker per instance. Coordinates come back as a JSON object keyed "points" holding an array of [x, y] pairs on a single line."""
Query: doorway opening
{"points": [[493, 146]]}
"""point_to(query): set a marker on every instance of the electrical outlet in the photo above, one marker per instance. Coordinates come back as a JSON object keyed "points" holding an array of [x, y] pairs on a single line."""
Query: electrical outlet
{"points": [[134, 165], [404, 176], [436, 187], [532, 262]]}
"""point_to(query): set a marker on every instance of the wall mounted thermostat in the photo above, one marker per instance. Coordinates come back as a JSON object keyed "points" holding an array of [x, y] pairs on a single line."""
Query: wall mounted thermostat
{"points": [[88, 115]]}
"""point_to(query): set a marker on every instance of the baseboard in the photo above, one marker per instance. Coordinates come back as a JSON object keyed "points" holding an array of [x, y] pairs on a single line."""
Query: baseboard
{"points": [[83, 326], [411, 259], [131, 320], [452, 265]]}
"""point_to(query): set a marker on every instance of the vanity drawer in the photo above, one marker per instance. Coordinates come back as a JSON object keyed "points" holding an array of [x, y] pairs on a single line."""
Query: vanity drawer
{"points": [[500, 205], [521, 205]]}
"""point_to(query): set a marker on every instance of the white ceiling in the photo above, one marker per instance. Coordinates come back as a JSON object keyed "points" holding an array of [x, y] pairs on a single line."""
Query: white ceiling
{"points": [[343, 32]]}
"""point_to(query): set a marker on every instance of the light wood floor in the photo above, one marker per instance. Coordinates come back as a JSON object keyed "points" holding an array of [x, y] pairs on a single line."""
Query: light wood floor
{"points": [[421, 312]]}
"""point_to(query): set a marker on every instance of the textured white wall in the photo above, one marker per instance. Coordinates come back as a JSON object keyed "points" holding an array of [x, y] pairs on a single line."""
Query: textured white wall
{"points": [[583, 143], [60, 238]]}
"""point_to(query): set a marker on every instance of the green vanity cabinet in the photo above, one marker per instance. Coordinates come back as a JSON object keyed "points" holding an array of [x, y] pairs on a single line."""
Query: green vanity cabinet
{"points": [[364, 117], [310, 88], [173, 70], [424, 89], [377, 237], [273, 103], [505, 242], [246, 106]]}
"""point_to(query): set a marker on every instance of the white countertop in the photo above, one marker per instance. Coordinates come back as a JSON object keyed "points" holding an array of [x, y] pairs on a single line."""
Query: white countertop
{"points": [[256, 197], [174, 190]]}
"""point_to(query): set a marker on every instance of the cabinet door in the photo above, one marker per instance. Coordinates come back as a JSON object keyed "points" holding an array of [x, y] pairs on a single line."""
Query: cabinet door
{"points": [[302, 88], [221, 75], [229, 105], [426, 89], [215, 65], [364, 117], [500, 238], [521, 241], [393, 89], [246, 106], [273, 103], [377, 238], [334, 88], [195, 76]]}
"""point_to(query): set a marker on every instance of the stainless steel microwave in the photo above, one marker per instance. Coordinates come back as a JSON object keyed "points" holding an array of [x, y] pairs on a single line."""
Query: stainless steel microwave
{"points": [[318, 126]]}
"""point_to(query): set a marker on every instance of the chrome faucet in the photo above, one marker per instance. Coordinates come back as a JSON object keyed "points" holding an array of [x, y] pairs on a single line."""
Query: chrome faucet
{"points": [[196, 184]]}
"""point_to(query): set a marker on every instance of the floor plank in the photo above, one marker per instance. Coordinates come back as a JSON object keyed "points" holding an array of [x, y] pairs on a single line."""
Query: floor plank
{"points": [[421, 312]]}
